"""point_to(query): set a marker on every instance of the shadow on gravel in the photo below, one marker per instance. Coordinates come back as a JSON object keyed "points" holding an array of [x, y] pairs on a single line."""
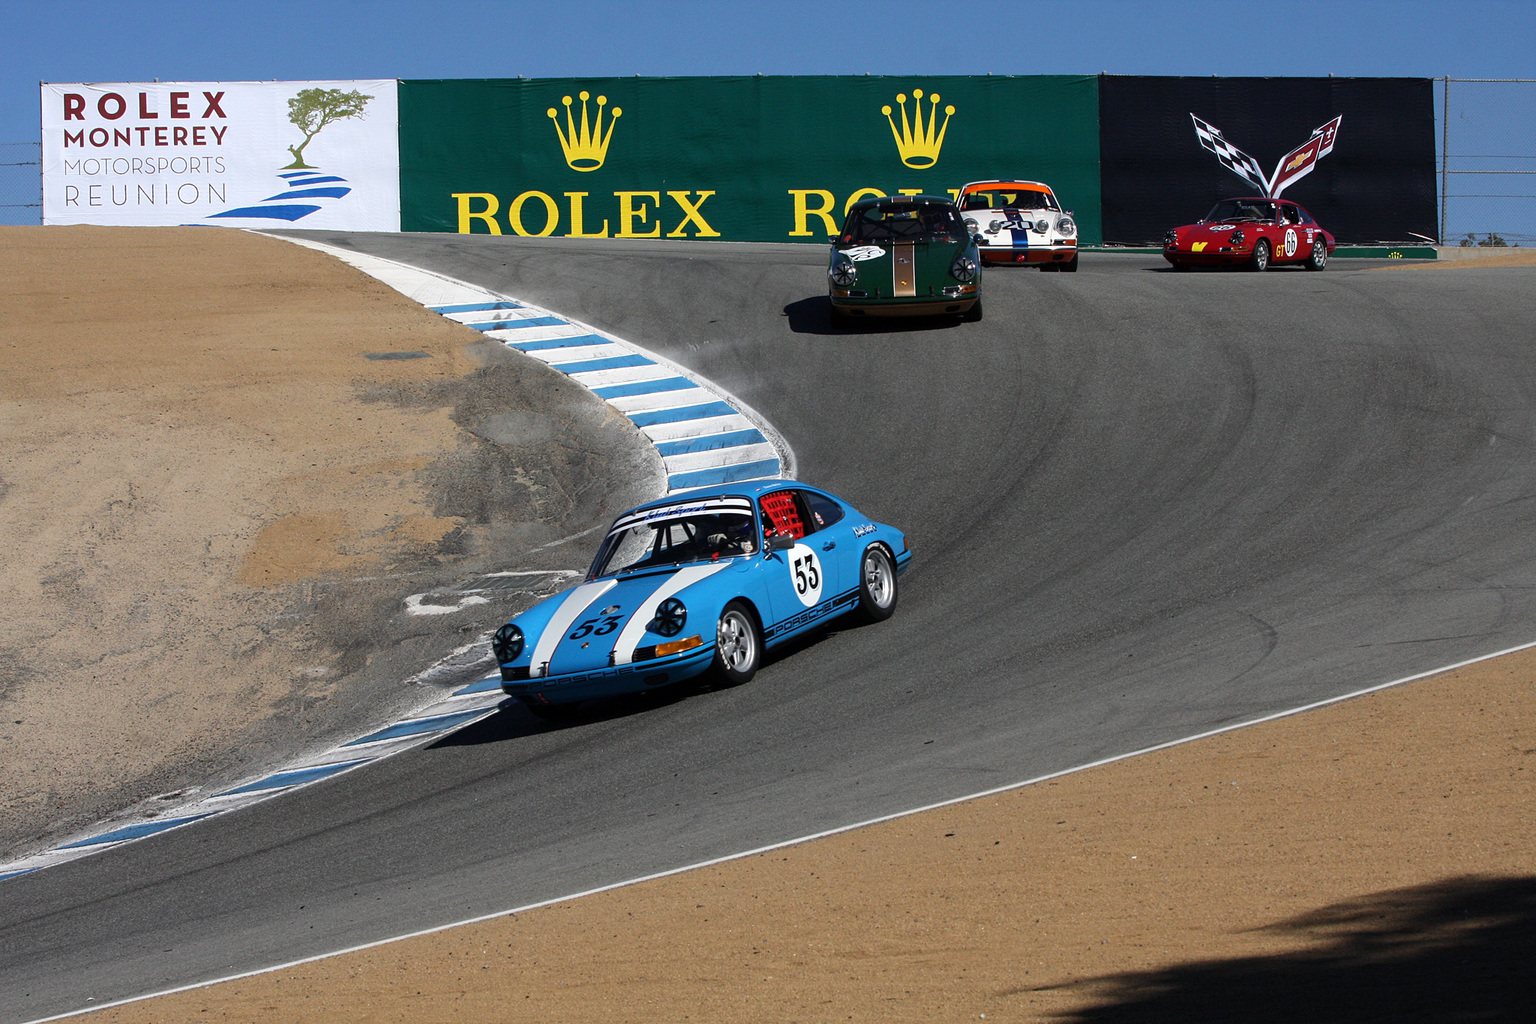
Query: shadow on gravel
{"points": [[814, 316], [1461, 949]]}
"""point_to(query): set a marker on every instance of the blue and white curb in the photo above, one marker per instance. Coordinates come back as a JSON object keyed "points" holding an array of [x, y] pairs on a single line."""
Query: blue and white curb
{"points": [[704, 434], [464, 706]]}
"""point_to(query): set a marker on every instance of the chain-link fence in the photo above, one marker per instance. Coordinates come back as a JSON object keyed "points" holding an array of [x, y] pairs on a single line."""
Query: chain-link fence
{"points": [[1488, 161], [21, 185]]}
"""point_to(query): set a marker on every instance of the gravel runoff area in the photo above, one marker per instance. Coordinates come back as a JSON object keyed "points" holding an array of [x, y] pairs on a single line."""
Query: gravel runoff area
{"points": [[191, 537], [227, 461]]}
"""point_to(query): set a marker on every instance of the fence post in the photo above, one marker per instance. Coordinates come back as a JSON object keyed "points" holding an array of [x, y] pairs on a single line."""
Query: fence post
{"points": [[1445, 150]]}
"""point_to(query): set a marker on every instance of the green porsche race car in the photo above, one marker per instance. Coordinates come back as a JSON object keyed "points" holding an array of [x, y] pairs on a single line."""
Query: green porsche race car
{"points": [[904, 256]]}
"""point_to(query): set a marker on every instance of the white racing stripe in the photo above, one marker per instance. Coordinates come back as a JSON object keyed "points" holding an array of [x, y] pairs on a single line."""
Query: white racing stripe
{"points": [[634, 629], [576, 602]]}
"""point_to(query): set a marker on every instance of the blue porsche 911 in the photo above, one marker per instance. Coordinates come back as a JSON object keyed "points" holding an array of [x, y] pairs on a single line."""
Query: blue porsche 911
{"points": [[705, 580]]}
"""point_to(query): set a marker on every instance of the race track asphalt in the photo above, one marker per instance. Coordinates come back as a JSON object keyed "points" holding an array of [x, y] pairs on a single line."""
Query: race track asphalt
{"points": [[1143, 505]]}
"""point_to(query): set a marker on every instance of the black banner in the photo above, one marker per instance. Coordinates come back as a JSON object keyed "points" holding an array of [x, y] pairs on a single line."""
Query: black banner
{"points": [[1359, 153]]}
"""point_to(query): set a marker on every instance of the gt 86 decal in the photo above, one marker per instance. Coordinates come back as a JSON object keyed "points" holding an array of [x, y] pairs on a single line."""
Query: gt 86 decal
{"points": [[805, 572]]}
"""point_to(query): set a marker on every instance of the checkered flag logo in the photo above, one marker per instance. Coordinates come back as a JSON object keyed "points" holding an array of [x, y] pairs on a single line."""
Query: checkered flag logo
{"points": [[1232, 158], [1294, 166]]}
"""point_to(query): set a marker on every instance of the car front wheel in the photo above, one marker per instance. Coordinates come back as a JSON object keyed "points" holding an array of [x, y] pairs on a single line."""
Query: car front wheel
{"points": [[738, 645], [1319, 258], [1260, 258], [877, 584]]}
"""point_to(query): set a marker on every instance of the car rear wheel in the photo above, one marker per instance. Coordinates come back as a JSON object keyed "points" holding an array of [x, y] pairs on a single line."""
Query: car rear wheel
{"points": [[1260, 258], [877, 584], [738, 645], [1319, 258]]}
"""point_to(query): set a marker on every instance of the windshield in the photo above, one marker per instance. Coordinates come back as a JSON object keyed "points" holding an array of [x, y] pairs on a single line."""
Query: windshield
{"points": [[903, 222], [676, 534], [1000, 198], [1236, 211]]}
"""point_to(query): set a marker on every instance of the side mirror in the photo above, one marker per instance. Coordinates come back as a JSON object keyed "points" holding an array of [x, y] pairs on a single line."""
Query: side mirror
{"points": [[780, 542], [832, 239], [978, 240]]}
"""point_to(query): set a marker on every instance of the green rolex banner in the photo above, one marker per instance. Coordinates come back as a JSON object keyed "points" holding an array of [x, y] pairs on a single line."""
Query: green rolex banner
{"points": [[763, 159]]}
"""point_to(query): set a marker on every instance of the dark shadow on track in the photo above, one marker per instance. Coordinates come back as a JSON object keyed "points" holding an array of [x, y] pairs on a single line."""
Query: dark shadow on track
{"points": [[1460, 949], [514, 720], [814, 316]]}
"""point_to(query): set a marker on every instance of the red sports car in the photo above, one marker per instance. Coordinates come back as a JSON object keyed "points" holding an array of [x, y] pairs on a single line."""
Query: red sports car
{"points": [[1253, 232]]}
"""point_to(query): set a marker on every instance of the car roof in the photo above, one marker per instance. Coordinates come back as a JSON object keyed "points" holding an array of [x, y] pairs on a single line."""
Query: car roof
{"points": [[747, 489], [1038, 186], [915, 200]]}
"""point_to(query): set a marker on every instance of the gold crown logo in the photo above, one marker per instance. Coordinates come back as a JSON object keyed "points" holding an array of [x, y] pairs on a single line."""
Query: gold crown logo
{"points": [[916, 142], [586, 148]]}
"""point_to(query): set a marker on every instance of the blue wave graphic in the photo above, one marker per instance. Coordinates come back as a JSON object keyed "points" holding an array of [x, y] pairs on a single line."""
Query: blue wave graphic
{"points": [[309, 193], [283, 206], [289, 213]]}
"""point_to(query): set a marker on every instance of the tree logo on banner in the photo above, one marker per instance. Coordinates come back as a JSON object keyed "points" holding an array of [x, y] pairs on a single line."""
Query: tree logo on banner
{"points": [[918, 143], [587, 147], [313, 109], [1294, 166]]}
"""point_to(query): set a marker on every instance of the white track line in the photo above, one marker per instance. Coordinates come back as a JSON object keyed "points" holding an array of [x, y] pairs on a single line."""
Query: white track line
{"points": [[803, 839]]}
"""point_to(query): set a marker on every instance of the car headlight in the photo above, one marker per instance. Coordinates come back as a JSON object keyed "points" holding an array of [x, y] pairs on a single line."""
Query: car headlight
{"points": [[507, 644], [1237, 237], [963, 269], [671, 616], [971, 227], [1066, 226], [995, 226], [1042, 225], [1171, 240], [843, 273]]}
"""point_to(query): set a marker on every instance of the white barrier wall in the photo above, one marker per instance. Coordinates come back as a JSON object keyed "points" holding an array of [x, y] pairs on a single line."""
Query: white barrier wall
{"points": [[241, 154]]}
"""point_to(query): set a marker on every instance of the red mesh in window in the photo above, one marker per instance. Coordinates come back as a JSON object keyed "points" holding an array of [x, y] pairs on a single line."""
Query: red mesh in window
{"points": [[780, 511]]}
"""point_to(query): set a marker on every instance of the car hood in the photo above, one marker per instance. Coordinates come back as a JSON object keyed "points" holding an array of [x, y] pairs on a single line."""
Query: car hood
{"points": [[879, 272], [601, 622], [1007, 221], [1216, 229]]}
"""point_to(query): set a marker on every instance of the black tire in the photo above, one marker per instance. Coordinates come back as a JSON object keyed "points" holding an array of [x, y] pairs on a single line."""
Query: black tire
{"points": [[738, 645], [1069, 267], [552, 712], [1179, 266], [1319, 257], [877, 584], [972, 315], [1259, 261], [840, 321]]}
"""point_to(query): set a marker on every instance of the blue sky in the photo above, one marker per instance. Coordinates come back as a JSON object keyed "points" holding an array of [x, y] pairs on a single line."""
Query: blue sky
{"points": [[123, 41]]}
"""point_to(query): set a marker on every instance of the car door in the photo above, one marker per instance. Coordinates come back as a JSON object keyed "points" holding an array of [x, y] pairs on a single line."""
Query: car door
{"points": [[1291, 245], [802, 581]]}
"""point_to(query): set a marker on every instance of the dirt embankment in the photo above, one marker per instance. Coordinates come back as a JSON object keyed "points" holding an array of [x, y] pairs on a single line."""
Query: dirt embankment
{"points": [[212, 503]]}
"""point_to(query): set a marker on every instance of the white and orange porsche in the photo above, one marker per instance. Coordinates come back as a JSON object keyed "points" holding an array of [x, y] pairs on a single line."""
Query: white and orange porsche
{"points": [[1020, 222]]}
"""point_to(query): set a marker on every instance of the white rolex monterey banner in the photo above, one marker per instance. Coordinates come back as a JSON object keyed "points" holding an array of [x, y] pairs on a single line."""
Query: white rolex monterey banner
{"points": [[239, 154]]}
